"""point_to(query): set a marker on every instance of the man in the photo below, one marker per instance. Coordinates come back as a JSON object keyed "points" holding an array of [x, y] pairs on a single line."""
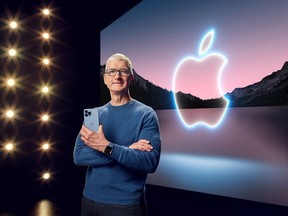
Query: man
{"points": [[122, 152]]}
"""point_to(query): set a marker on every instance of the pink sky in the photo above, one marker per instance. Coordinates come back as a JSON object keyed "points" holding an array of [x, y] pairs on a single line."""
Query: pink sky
{"points": [[254, 44]]}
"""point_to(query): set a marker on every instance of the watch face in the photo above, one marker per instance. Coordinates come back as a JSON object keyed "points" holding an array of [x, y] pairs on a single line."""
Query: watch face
{"points": [[109, 149]]}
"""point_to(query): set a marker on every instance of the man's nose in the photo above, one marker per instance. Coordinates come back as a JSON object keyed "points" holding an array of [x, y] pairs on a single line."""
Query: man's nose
{"points": [[118, 74]]}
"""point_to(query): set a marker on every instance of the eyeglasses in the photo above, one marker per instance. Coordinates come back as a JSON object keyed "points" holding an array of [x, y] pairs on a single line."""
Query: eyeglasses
{"points": [[122, 72]]}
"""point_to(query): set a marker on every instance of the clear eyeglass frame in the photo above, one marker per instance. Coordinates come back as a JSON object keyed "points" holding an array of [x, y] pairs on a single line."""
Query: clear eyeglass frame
{"points": [[122, 72]]}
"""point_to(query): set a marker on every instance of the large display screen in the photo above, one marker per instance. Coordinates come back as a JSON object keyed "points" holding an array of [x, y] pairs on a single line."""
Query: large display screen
{"points": [[216, 72]]}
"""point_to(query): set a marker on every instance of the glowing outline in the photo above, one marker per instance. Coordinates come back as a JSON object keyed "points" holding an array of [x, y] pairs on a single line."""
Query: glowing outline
{"points": [[202, 55]]}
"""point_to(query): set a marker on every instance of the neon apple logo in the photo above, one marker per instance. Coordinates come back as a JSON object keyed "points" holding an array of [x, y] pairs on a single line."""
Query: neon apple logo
{"points": [[212, 64]]}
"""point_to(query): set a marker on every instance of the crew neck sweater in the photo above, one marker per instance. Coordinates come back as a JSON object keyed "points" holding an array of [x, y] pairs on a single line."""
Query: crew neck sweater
{"points": [[120, 178]]}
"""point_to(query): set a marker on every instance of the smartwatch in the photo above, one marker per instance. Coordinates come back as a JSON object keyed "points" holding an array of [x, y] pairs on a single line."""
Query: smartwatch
{"points": [[109, 149]]}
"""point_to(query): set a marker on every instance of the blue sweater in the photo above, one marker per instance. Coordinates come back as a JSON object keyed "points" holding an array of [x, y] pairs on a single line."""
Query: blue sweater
{"points": [[120, 178]]}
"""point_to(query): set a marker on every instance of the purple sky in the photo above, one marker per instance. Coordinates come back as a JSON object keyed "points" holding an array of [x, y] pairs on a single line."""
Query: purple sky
{"points": [[157, 35]]}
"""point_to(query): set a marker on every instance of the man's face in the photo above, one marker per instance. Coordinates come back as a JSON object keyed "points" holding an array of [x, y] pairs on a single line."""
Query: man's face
{"points": [[117, 78]]}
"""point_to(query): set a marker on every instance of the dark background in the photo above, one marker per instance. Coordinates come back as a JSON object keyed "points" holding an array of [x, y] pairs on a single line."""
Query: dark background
{"points": [[79, 86]]}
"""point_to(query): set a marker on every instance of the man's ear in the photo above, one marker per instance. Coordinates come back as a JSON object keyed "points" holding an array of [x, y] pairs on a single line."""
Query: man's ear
{"points": [[104, 79], [132, 78]]}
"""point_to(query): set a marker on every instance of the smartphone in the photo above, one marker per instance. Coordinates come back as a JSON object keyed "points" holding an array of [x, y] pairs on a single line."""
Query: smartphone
{"points": [[91, 118]]}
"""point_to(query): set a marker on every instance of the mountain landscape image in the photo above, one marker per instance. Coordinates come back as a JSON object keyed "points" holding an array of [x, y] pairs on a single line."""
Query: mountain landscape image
{"points": [[272, 90]]}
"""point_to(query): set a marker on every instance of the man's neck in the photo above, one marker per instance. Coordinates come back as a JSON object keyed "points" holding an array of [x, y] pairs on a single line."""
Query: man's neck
{"points": [[118, 99]]}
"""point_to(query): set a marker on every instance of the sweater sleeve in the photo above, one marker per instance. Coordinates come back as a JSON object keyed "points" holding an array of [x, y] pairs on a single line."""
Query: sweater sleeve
{"points": [[86, 156], [144, 161]]}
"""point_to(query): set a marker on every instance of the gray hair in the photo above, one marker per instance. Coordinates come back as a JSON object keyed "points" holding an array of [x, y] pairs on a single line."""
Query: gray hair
{"points": [[120, 57]]}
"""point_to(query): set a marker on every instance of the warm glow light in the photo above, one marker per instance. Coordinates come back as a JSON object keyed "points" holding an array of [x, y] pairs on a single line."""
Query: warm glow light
{"points": [[46, 12], [9, 146], [46, 176], [45, 118], [10, 113], [46, 61], [45, 89], [10, 82], [13, 24], [12, 52], [45, 146], [44, 208], [46, 35]]}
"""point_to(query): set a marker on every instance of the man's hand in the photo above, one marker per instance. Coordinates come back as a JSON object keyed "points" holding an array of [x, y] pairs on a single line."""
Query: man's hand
{"points": [[95, 140], [142, 145]]}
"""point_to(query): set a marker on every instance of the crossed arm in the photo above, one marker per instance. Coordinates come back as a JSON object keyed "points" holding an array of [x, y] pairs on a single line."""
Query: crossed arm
{"points": [[142, 155]]}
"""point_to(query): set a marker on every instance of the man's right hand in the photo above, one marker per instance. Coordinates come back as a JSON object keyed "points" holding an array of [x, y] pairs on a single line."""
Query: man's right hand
{"points": [[142, 145]]}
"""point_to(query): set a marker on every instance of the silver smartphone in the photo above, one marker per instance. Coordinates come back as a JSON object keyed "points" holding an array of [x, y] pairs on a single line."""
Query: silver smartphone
{"points": [[91, 118]]}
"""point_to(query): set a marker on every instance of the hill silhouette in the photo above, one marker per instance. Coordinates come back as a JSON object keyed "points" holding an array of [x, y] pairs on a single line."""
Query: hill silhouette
{"points": [[270, 91]]}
